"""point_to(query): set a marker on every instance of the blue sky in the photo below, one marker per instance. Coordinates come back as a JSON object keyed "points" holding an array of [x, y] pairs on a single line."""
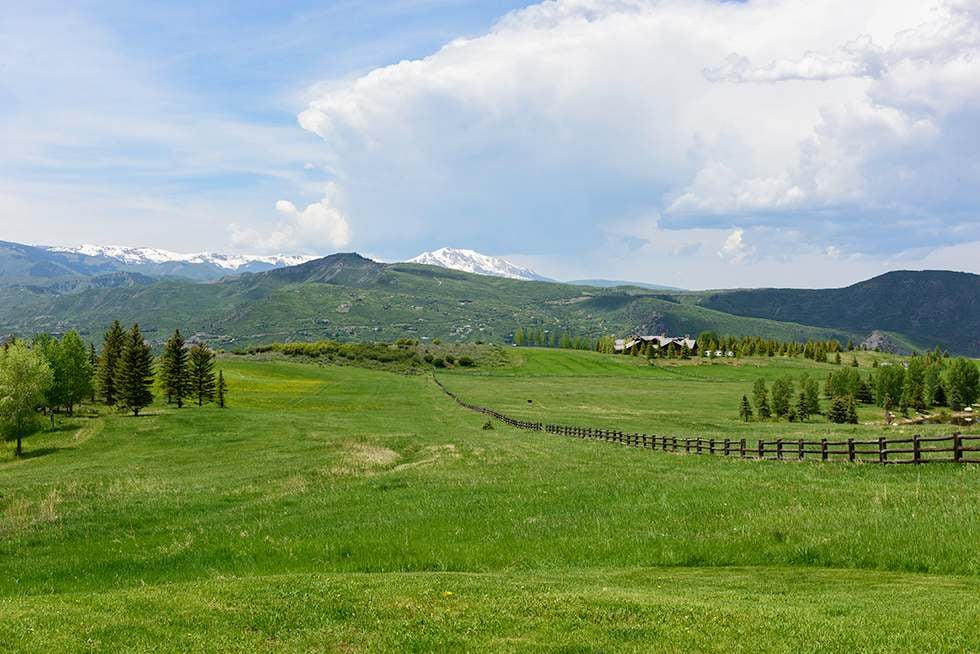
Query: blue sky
{"points": [[696, 143]]}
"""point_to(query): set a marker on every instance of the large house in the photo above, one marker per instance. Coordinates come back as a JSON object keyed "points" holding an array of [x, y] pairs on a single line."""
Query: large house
{"points": [[656, 342]]}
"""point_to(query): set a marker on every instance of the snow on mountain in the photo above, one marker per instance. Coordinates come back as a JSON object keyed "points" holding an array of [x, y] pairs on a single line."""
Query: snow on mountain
{"points": [[474, 262], [148, 256]]}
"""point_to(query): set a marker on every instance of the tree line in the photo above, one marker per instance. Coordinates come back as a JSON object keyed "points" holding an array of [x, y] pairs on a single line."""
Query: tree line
{"points": [[535, 336], [919, 384], [47, 375]]}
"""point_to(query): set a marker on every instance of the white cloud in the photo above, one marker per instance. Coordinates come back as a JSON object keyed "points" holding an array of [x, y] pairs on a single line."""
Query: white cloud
{"points": [[734, 248], [320, 226], [569, 115]]}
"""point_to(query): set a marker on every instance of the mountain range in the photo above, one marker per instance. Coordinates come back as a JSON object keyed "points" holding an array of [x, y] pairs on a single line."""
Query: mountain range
{"points": [[349, 297]]}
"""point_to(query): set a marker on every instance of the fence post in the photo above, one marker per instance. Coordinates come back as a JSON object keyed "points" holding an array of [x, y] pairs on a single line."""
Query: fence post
{"points": [[850, 450], [779, 449], [728, 445], [761, 445], [957, 448], [916, 449], [741, 447], [687, 445], [802, 449], [824, 454], [711, 446], [699, 445], [882, 450]]}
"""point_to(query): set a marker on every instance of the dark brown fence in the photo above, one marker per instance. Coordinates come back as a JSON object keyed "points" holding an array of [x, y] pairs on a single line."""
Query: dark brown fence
{"points": [[955, 448]]}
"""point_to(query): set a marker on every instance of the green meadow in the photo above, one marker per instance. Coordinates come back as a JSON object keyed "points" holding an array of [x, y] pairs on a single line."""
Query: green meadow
{"points": [[341, 509]]}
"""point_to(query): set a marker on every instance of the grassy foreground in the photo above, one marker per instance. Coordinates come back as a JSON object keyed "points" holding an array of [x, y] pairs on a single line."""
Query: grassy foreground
{"points": [[342, 509]]}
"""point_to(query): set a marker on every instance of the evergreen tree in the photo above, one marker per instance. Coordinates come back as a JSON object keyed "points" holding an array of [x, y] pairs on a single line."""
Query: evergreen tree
{"points": [[745, 409], [852, 416], [802, 407], [93, 361], [854, 362], [76, 371], [202, 373], [761, 398], [221, 389], [112, 347], [839, 412], [134, 374], [174, 372], [864, 394], [939, 395], [837, 358]]}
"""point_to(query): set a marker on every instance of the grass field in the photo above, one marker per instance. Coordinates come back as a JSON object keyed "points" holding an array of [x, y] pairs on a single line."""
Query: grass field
{"points": [[342, 509], [674, 398]]}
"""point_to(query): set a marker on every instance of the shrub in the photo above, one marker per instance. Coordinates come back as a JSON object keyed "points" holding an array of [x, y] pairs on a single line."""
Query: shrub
{"points": [[450, 359], [466, 362], [439, 362]]}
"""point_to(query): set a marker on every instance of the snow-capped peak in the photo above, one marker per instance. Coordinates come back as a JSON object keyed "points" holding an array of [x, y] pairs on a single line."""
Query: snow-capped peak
{"points": [[142, 256], [474, 262]]}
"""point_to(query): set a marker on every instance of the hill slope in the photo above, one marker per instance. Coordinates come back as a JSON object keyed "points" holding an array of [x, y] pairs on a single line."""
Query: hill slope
{"points": [[932, 307], [348, 297]]}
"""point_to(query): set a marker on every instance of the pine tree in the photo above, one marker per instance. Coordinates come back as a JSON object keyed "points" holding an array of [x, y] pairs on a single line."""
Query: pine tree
{"points": [[761, 398], [854, 362], [745, 409], [222, 389], [93, 361], [864, 395], [802, 407], [852, 416], [134, 376], [112, 346], [174, 372], [202, 373], [838, 412]]}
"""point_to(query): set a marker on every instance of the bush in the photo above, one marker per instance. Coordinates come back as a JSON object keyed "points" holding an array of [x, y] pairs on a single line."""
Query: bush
{"points": [[466, 362], [450, 359], [428, 357], [439, 362]]}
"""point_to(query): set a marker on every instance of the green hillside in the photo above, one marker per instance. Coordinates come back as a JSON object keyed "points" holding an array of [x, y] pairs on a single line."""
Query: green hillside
{"points": [[347, 297], [341, 509], [933, 307]]}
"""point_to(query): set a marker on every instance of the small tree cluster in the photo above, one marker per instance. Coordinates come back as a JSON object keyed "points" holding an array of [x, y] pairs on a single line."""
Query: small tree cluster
{"points": [[539, 337], [188, 373], [782, 401]]}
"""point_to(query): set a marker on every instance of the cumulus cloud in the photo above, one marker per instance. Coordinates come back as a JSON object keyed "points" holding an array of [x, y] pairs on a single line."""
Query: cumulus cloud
{"points": [[734, 249], [320, 226], [570, 115]]}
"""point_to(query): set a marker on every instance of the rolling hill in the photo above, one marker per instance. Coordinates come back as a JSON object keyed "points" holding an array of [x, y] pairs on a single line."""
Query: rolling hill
{"points": [[931, 307], [348, 297]]}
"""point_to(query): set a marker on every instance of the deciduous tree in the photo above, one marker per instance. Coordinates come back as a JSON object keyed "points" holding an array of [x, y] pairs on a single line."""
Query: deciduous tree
{"points": [[25, 376]]}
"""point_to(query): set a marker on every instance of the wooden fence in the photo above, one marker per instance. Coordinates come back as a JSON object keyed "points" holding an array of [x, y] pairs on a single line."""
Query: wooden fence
{"points": [[955, 448]]}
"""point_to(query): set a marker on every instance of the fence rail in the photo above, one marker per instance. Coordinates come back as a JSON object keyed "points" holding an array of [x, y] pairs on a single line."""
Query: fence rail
{"points": [[954, 448]]}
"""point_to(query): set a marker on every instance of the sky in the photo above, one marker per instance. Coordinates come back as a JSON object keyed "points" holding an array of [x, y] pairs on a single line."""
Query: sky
{"points": [[695, 143]]}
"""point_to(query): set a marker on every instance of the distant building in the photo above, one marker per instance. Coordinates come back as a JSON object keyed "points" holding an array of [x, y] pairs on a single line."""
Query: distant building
{"points": [[661, 342]]}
